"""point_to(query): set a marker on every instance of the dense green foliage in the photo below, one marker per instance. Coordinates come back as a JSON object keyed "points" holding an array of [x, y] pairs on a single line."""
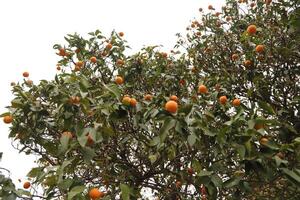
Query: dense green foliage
{"points": [[206, 150]]}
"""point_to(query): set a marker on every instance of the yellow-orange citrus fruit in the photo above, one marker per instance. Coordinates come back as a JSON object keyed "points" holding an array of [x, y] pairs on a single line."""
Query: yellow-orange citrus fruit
{"points": [[259, 126], [93, 59], [126, 100], [94, 193], [133, 102], [223, 100], [79, 64], [174, 98], [120, 62], [247, 63], [171, 106], [109, 46], [148, 97], [8, 119], [25, 74], [202, 89], [121, 34], [210, 7], [234, 56], [62, 52], [178, 184], [26, 185], [119, 80], [251, 30], [263, 141], [58, 68], [68, 134], [236, 102], [260, 48]]}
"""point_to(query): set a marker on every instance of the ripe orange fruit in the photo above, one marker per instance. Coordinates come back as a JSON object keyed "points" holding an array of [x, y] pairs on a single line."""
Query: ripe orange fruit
{"points": [[8, 119], [263, 141], [79, 64], [171, 106], [268, 2], [77, 68], [126, 100], [234, 56], [29, 82], [77, 50], [178, 184], [25, 74], [119, 80], [236, 102], [190, 171], [252, 4], [94, 193], [133, 102], [90, 140], [202, 89], [74, 100], [174, 98], [223, 100], [58, 68], [251, 30], [93, 59], [164, 54], [120, 62], [148, 97], [228, 18], [62, 52], [182, 82], [259, 126], [210, 7], [109, 46], [247, 63], [68, 134], [121, 34], [26, 185], [260, 48]]}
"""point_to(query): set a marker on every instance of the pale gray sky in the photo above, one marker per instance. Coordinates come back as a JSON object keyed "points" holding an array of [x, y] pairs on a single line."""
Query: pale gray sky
{"points": [[30, 28]]}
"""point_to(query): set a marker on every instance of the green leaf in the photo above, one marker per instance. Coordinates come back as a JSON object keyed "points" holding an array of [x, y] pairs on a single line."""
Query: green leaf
{"points": [[153, 158], [267, 107], [205, 173], [35, 172], [232, 182], [216, 180], [186, 109], [169, 123], [64, 140], [75, 191], [113, 88], [88, 154], [192, 139], [126, 191], [292, 175]]}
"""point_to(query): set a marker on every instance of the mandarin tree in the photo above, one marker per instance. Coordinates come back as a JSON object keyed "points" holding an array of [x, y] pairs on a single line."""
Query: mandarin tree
{"points": [[105, 129]]}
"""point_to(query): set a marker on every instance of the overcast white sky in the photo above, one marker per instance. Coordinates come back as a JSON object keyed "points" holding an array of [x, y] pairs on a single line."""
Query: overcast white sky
{"points": [[29, 29]]}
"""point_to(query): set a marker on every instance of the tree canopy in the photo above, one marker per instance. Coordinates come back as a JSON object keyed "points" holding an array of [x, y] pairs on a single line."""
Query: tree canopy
{"points": [[217, 117]]}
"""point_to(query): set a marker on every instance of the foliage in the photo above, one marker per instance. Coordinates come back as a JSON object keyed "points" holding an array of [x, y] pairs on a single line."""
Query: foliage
{"points": [[87, 136]]}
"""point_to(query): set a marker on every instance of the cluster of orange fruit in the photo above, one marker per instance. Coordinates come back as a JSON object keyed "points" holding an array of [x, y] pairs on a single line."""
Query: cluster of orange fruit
{"points": [[129, 101]]}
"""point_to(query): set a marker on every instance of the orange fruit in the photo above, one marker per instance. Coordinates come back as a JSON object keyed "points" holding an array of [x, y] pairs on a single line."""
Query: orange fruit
{"points": [[251, 30], [182, 82], [121, 34], [29, 82], [119, 80], [252, 4], [148, 97], [26, 185], [223, 100], [109, 46], [268, 2], [90, 140], [178, 184], [236, 102], [190, 171], [247, 63], [171, 106], [94, 193], [77, 50], [234, 56], [210, 7], [120, 62], [68, 134], [8, 119], [93, 59], [79, 64], [25, 74], [263, 141], [126, 100], [164, 54], [260, 48], [133, 102], [202, 89], [58, 68], [77, 68], [259, 126], [174, 98], [228, 18], [62, 52]]}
